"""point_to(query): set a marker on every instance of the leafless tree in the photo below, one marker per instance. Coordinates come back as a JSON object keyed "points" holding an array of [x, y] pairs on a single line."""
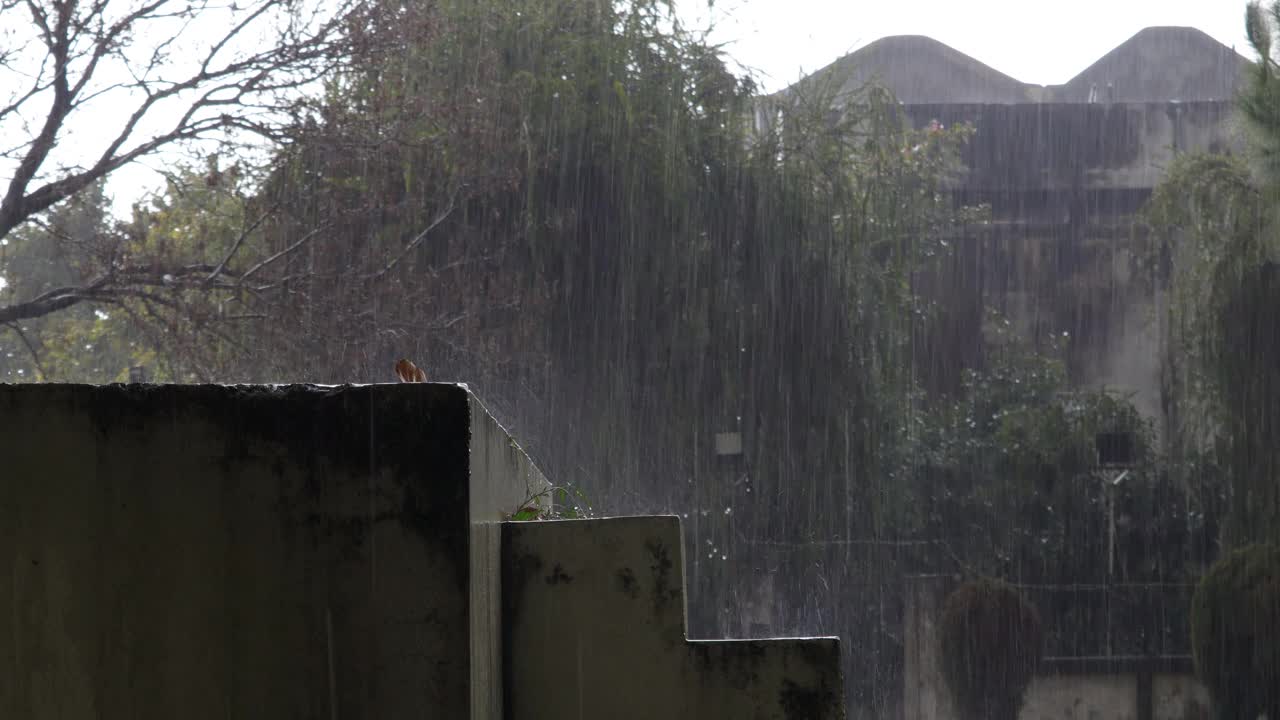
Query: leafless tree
{"points": [[89, 86]]}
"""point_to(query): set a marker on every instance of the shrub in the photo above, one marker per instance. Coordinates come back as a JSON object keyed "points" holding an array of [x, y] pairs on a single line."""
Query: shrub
{"points": [[1235, 632], [992, 640]]}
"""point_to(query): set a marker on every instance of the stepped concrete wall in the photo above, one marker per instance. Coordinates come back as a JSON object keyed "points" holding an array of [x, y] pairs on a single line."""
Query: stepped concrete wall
{"points": [[218, 552], [595, 623], [337, 552]]}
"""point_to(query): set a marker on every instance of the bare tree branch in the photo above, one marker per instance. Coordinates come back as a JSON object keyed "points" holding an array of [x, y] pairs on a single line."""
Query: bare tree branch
{"points": [[35, 356], [239, 241], [417, 240], [78, 38]]}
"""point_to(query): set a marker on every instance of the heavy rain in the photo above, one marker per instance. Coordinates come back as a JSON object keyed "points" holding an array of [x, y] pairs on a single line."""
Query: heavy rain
{"points": [[976, 369]]}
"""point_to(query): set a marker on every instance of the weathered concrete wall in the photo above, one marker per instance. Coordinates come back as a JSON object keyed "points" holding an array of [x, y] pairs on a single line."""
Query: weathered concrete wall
{"points": [[337, 552], [1099, 696], [1087, 697], [1022, 157], [925, 692], [1064, 169], [1115, 688], [1062, 255], [595, 622], [503, 479], [214, 552], [1095, 696], [1179, 696]]}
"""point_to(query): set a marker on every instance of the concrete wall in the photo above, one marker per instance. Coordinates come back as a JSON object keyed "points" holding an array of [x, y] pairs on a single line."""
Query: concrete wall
{"points": [[1061, 254], [1120, 696], [1065, 176], [595, 621], [1021, 151], [502, 480], [1115, 688], [1179, 696], [214, 552], [338, 552], [1082, 697], [925, 692]]}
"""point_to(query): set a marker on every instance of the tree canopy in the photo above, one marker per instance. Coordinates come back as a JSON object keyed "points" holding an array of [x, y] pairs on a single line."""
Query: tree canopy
{"points": [[130, 78]]}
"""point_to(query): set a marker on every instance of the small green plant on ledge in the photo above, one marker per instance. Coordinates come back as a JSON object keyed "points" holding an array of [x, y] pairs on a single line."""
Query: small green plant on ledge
{"points": [[554, 502], [992, 640]]}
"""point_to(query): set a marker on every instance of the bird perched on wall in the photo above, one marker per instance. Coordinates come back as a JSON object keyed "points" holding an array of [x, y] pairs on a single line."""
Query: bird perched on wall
{"points": [[408, 372]]}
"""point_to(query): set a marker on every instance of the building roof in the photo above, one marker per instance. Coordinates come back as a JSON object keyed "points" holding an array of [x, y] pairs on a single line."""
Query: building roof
{"points": [[919, 69], [1158, 64]]}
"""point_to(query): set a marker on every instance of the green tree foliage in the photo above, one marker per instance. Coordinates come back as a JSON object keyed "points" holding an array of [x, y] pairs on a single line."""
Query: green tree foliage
{"points": [[84, 343], [991, 644], [1235, 632], [1209, 217], [577, 208], [143, 77], [207, 225], [1006, 481], [1249, 378], [1259, 102], [1009, 467], [168, 307], [503, 187], [1213, 217]]}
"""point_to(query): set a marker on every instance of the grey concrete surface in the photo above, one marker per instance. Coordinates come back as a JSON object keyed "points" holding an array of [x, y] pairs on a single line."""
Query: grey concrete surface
{"points": [[337, 553], [594, 617], [215, 552]]}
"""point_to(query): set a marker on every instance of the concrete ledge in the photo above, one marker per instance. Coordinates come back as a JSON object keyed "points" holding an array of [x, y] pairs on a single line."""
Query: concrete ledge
{"points": [[594, 621]]}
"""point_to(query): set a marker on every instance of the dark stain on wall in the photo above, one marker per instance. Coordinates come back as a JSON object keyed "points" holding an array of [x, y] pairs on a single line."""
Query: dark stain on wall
{"points": [[665, 591], [558, 575], [738, 663], [627, 583], [805, 703], [366, 431]]}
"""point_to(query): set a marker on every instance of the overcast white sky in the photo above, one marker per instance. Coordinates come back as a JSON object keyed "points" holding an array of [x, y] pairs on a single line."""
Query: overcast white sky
{"points": [[1032, 40]]}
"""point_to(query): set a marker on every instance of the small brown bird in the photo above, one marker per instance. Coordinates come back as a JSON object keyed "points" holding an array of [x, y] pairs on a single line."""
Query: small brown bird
{"points": [[408, 372]]}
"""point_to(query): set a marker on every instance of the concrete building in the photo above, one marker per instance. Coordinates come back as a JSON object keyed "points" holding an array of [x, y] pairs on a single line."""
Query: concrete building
{"points": [[1064, 169]]}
